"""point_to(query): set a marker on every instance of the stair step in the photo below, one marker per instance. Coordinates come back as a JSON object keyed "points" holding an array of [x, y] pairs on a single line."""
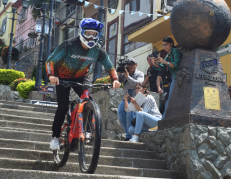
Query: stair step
{"points": [[73, 158], [27, 108], [106, 151], [17, 112], [73, 167], [25, 126], [33, 136], [26, 104], [6, 117], [28, 174]]}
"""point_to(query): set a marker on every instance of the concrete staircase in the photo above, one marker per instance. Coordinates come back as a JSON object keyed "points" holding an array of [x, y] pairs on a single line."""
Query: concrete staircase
{"points": [[25, 133]]}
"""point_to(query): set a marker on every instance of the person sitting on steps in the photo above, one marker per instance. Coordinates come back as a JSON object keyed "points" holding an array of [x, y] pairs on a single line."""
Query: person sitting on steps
{"points": [[147, 116]]}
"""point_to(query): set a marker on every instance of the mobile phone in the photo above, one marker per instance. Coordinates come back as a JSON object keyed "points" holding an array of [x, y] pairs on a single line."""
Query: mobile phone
{"points": [[155, 54]]}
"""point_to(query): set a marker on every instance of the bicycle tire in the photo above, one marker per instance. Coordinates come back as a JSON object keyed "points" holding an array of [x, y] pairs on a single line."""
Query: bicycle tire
{"points": [[63, 148], [90, 167]]}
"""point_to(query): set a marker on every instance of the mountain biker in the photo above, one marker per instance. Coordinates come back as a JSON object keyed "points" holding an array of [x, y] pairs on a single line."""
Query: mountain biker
{"points": [[71, 61]]}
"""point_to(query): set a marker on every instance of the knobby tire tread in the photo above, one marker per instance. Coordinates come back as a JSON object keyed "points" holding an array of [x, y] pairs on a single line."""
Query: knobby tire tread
{"points": [[97, 142]]}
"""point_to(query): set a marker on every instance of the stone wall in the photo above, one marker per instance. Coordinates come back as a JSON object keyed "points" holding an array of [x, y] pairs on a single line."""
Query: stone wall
{"points": [[108, 102], [8, 95], [194, 151]]}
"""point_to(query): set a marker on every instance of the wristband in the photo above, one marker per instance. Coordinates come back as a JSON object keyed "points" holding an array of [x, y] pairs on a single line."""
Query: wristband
{"points": [[168, 63]]}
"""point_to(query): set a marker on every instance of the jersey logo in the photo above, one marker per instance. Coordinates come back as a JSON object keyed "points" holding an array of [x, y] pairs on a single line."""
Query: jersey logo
{"points": [[82, 58]]}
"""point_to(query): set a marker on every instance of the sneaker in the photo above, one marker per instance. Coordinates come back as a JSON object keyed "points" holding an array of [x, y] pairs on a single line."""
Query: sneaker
{"points": [[135, 138], [126, 139], [54, 144]]}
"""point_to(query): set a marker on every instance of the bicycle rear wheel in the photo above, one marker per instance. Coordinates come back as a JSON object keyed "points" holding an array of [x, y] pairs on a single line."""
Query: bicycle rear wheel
{"points": [[61, 156], [90, 146]]}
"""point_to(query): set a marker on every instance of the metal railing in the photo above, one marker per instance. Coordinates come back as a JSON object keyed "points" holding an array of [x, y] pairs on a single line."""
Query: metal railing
{"points": [[27, 62], [25, 45]]}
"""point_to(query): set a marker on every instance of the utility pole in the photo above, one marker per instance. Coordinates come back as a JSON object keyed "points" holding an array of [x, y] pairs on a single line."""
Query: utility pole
{"points": [[40, 60], [49, 37], [98, 66]]}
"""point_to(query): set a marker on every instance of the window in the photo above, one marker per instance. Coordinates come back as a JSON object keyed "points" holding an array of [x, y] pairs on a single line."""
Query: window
{"points": [[96, 16], [134, 21], [134, 5], [171, 2], [69, 32], [3, 26], [130, 46], [112, 42], [70, 9], [24, 16]]}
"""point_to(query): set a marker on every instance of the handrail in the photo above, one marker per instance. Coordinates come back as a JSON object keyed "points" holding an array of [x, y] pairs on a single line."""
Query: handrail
{"points": [[21, 42], [27, 56]]}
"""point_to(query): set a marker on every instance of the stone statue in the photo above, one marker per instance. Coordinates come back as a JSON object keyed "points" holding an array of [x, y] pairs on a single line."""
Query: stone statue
{"points": [[199, 26]]}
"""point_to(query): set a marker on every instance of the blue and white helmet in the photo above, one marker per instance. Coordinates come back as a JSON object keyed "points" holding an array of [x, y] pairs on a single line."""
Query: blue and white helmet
{"points": [[90, 31]]}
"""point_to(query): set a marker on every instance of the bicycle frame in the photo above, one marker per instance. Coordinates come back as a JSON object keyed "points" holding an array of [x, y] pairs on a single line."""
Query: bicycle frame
{"points": [[76, 127]]}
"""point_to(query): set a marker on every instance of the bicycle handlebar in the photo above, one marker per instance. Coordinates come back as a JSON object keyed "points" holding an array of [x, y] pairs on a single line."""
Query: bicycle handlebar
{"points": [[73, 84]]}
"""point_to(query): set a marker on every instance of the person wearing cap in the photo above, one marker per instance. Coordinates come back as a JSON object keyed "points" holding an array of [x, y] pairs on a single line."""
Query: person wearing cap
{"points": [[230, 91], [152, 74], [130, 78]]}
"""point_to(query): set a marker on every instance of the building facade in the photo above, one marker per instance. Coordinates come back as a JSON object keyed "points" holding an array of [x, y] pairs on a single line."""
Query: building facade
{"points": [[5, 22], [24, 25]]}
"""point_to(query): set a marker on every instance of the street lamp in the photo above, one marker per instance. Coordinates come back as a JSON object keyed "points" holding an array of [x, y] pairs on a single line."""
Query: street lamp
{"points": [[14, 11], [40, 60]]}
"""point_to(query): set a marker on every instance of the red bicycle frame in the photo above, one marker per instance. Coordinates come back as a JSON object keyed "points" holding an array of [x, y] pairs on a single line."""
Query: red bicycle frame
{"points": [[76, 128]]}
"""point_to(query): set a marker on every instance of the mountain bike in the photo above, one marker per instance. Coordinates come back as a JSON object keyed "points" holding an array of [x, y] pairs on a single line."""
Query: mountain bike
{"points": [[82, 130]]}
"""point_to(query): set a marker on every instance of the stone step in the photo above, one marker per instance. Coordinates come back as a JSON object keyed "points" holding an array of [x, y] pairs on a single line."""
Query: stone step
{"points": [[74, 168], [25, 126], [27, 108], [27, 130], [42, 137], [26, 104], [73, 158], [28, 174], [6, 117], [16, 112], [106, 151]]}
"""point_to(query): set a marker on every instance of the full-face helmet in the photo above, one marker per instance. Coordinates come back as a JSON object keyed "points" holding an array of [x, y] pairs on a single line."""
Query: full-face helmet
{"points": [[90, 31]]}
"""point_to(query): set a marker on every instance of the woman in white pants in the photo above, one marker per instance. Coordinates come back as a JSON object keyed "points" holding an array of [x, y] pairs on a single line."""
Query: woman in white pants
{"points": [[147, 116]]}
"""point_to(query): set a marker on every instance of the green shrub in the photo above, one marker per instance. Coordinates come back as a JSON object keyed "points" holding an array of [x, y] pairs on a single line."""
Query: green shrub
{"points": [[34, 72], [14, 56], [7, 76], [16, 82], [105, 80], [25, 88]]}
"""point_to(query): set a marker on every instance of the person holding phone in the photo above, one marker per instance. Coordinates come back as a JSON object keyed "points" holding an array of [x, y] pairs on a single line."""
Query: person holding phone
{"points": [[171, 63], [147, 115], [152, 74]]}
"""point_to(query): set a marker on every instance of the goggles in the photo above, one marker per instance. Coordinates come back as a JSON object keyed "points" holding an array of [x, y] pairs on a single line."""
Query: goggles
{"points": [[91, 34]]}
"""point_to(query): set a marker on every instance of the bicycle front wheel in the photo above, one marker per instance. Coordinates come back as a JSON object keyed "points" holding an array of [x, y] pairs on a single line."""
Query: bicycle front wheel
{"points": [[90, 146]]}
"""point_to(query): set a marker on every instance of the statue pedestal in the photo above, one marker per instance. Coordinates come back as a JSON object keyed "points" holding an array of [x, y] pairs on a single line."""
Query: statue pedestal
{"points": [[199, 69]]}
